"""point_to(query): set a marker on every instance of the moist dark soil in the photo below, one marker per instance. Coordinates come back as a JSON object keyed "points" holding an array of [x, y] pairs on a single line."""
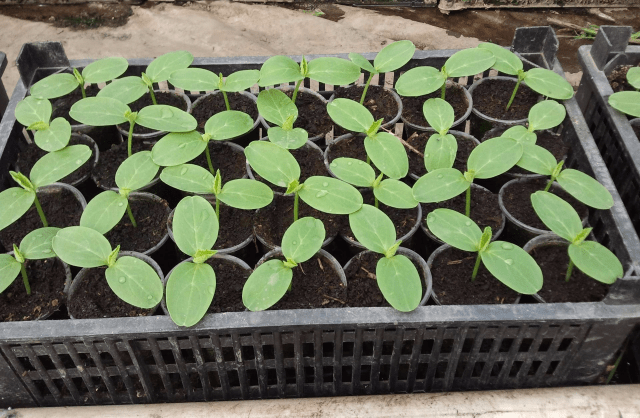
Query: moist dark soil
{"points": [[315, 284], [214, 103], [271, 222], [311, 161], [517, 200], [492, 96], [403, 219], [312, 114], [28, 157], [230, 278], [77, 16], [95, 299], [451, 274], [104, 173], [162, 98], [362, 289], [419, 142], [46, 279], [554, 260], [151, 218], [62, 105], [412, 106], [485, 210], [380, 102], [61, 209], [618, 79], [224, 157]]}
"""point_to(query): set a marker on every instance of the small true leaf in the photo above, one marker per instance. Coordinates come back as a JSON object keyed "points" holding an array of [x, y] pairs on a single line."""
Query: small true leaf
{"points": [[420, 81], [277, 70], [272, 162], [228, 124], [189, 178], [399, 282], [246, 194], [303, 239], [455, 229], [32, 110], [190, 290], [388, 154], [585, 188], [353, 171], [396, 194], [513, 266], [373, 229], [36, 244], [126, 89], [141, 286], [161, 68], [469, 62], [104, 211], [596, 261], [194, 79], [178, 148], [266, 285], [99, 111], [105, 69], [548, 83], [558, 215], [81, 247], [546, 115], [14, 202], [332, 70], [506, 61], [166, 118], [55, 85], [439, 114], [275, 106], [59, 164], [440, 152], [493, 157], [393, 56], [330, 195], [537, 160], [195, 225], [9, 269], [350, 115], [626, 102], [136, 171], [440, 185]]}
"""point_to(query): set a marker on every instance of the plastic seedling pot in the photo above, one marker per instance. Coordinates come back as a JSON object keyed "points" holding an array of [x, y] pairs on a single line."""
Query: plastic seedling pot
{"points": [[488, 118]]}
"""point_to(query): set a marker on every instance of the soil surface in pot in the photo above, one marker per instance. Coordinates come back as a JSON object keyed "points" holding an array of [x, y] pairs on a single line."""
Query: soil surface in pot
{"points": [[214, 103], [363, 289], [151, 218], [230, 279], [163, 98], [226, 158], [517, 200], [28, 157], [492, 96], [403, 219], [618, 78], [352, 147], [62, 105], [46, 278], [485, 209], [311, 161], [104, 173], [95, 299], [451, 274], [553, 261], [312, 114], [419, 142], [380, 102], [454, 95], [315, 284], [61, 209], [272, 221], [552, 143]]}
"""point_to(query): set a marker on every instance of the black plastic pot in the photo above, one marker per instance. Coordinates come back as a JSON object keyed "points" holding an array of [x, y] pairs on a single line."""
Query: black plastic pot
{"points": [[488, 118]]}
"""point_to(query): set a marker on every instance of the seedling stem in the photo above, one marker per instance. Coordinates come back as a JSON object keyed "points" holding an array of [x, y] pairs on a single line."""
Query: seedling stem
{"points": [[366, 87], [513, 95], [131, 126], [569, 271], [218, 208], [546, 189], [476, 267], [40, 212], [133, 221], [153, 96], [226, 99], [443, 90], [295, 207], [25, 279], [206, 150], [295, 92], [467, 209]]}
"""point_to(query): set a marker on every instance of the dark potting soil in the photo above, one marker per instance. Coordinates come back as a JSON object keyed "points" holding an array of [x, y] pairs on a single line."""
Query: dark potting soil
{"points": [[618, 78], [380, 102], [230, 279], [485, 210], [162, 98], [224, 157], [95, 299], [272, 221], [517, 200], [492, 96], [46, 279], [403, 219], [362, 288], [104, 173], [62, 105], [311, 161], [315, 284], [61, 209], [419, 142], [454, 95], [151, 219], [312, 114], [554, 260], [27, 158], [214, 103], [451, 274]]}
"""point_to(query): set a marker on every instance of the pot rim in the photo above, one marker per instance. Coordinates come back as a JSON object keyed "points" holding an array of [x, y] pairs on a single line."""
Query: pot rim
{"points": [[488, 118]]}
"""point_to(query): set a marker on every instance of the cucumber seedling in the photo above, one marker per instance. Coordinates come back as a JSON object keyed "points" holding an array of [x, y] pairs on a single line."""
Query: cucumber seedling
{"points": [[329, 70], [383, 149], [100, 71], [442, 147], [35, 115], [540, 80], [16, 201], [102, 111], [130, 89], [36, 245], [543, 115], [276, 107], [592, 258], [510, 264], [278, 166], [424, 80], [396, 276], [131, 279], [270, 281], [628, 102], [390, 58], [105, 210], [199, 79]]}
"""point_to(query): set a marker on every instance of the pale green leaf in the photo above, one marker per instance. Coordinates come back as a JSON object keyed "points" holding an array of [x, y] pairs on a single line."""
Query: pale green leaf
{"points": [[399, 282], [548, 83], [353, 171], [419, 81], [455, 229], [394, 56], [558, 215], [228, 124], [362, 62], [537, 160], [99, 111], [388, 154], [56, 137], [9, 269], [135, 282], [373, 229], [633, 77], [32, 110], [81, 247], [22, 180], [105, 69], [440, 152], [350, 115], [520, 134], [195, 225], [126, 89], [273, 163], [178, 148], [332, 70], [136, 171], [468, 62], [626, 102], [266, 286], [59, 164], [439, 114], [494, 157], [279, 69], [190, 290], [506, 61], [55, 85], [104, 211], [440, 185], [246, 194], [275, 106], [189, 178], [241, 80], [546, 115], [303, 239], [161, 68], [330, 195], [14, 202], [585, 188], [195, 79], [166, 118], [36, 244], [396, 194], [596, 261], [513, 266], [293, 139]]}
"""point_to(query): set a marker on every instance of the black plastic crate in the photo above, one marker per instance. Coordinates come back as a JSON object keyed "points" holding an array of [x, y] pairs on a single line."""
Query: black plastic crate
{"points": [[616, 140], [328, 352]]}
